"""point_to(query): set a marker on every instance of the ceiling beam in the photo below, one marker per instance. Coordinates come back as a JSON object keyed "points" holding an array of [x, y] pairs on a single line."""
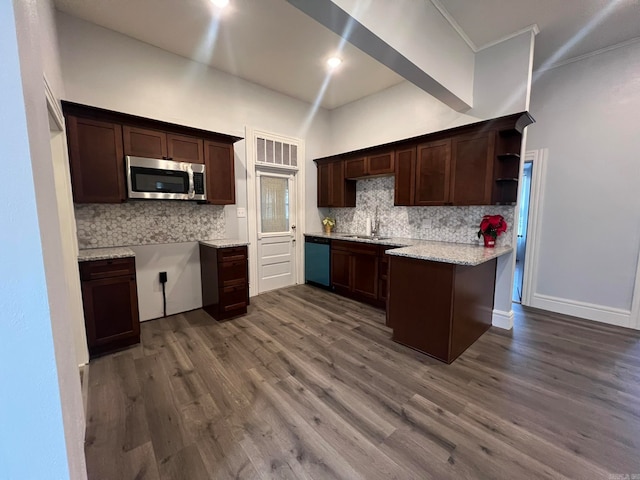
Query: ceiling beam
{"points": [[340, 22]]}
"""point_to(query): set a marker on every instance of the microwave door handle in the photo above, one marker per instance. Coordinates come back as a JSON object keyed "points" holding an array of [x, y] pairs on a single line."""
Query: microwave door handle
{"points": [[192, 191]]}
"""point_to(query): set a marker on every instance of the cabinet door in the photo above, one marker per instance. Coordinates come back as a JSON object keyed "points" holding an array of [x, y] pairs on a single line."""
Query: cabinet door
{"points": [[364, 275], [110, 312], [355, 167], [323, 185], [405, 181], [472, 169], [383, 270], [97, 161], [337, 184], [433, 166], [181, 148], [141, 142], [340, 269], [381, 164], [220, 173]]}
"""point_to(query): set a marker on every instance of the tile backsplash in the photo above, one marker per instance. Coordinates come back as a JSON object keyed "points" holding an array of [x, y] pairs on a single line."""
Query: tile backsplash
{"points": [[447, 224], [147, 222]]}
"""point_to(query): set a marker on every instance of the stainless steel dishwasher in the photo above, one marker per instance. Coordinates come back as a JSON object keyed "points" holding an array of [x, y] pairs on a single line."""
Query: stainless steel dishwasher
{"points": [[317, 261]]}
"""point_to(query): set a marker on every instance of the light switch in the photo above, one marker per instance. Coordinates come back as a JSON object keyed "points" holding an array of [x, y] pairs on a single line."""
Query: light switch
{"points": [[241, 212]]}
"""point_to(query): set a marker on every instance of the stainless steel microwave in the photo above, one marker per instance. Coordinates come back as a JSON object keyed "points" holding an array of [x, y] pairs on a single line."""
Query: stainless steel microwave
{"points": [[156, 179]]}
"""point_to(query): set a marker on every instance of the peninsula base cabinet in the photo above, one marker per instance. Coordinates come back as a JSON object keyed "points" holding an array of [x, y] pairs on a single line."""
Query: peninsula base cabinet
{"points": [[439, 309], [224, 274], [110, 302]]}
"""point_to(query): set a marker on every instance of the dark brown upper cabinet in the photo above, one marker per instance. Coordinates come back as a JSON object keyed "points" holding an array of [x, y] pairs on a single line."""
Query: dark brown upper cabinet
{"points": [[472, 169], [377, 164], [97, 161], [433, 173], [181, 148], [220, 173], [333, 189], [477, 164], [142, 142], [405, 173], [98, 140]]}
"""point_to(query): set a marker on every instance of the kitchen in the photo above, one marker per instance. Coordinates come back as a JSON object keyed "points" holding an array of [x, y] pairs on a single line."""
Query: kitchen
{"points": [[86, 82]]}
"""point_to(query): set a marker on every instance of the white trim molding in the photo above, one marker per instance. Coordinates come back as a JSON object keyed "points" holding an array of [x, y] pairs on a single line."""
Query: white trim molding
{"points": [[531, 28], [536, 203], [635, 304], [502, 319], [452, 21], [588, 311], [252, 214], [562, 63], [54, 107]]}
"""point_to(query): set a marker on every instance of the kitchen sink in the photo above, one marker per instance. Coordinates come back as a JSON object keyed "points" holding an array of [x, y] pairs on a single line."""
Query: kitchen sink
{"points": [[366, 237]]}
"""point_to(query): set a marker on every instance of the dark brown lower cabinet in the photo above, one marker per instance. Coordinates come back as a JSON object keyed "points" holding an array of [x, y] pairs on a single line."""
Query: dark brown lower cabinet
{"points": [[439, 308], [225, 281], [110, 302], [355, 271]]}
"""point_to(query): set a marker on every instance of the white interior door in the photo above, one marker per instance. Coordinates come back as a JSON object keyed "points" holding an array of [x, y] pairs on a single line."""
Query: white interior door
{"points": [[276, 209]]}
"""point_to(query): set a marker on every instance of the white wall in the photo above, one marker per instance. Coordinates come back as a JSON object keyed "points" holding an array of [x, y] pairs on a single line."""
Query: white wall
{"points": [[502, 83], [181, 261], [42, 418], [586, 116], [417, 30], [398, 112]]}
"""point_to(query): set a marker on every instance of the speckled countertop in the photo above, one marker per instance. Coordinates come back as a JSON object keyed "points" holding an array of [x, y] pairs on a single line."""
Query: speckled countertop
{"points": [[110, 253], [224, 243], [445, 252]]}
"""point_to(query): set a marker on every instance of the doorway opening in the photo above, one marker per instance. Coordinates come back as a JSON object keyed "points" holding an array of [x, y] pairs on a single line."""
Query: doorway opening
{"points": [[523, 223], [275, 201]]}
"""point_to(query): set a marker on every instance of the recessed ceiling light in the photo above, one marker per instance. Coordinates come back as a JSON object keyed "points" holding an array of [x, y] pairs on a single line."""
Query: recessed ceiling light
{"points": [[333, 62], [220, 3]]}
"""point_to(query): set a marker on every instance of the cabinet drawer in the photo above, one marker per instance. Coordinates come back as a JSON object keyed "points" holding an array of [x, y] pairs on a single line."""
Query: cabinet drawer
{"points": [[233, 298], [232, 254], [232, 273], [98, 269], [355, 247]]}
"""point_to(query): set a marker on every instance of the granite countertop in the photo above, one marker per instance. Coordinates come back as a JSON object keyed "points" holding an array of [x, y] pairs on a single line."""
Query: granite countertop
{"points": [[90, 254], [224, 243], [445, 252]]}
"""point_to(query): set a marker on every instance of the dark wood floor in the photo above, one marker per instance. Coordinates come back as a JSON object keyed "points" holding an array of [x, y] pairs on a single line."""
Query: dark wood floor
{"points": [[309, 385]]}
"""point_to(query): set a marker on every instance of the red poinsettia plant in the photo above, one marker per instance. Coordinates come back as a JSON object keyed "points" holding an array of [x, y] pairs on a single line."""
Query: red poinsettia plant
{"points": [[492, 225]]}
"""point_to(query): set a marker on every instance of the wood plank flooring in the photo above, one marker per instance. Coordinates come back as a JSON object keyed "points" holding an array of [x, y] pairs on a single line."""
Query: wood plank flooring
{"points": [[309, 385]]}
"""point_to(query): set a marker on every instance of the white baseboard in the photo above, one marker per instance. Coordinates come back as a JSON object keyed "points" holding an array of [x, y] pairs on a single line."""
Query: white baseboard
{"points": [[502, 319], [589, 311]]}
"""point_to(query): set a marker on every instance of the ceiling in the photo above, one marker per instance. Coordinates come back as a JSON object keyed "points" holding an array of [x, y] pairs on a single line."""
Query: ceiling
{"points": [[568, 28], [273, 44], [268, 42]]}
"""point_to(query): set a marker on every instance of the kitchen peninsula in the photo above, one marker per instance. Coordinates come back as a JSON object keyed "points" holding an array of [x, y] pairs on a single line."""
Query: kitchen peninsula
{"points": [[438, 295]]}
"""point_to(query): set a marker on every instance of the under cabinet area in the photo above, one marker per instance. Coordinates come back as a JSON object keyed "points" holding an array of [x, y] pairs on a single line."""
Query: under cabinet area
{"points": [[98, 140], [225, 281], [110, 302]]}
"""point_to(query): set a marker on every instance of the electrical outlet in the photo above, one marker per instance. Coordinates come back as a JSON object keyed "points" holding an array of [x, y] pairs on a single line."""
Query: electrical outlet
{"points": [[241, 212]]}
